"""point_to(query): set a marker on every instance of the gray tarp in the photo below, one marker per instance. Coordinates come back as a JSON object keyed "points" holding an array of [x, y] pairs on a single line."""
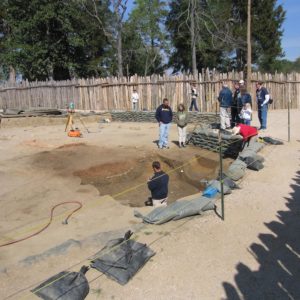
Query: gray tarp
{"points": [[177, 210], [121, 258]]}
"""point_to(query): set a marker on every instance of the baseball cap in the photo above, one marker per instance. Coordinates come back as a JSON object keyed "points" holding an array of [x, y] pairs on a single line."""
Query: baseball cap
{"points": [[241, 81]]}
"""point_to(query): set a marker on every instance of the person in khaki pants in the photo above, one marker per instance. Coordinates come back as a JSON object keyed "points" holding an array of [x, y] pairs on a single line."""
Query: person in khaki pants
{"points": [[225, 100], [182, 121]]}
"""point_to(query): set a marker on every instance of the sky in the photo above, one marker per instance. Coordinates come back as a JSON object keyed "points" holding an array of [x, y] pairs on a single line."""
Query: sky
{"points": [[291, 27]]}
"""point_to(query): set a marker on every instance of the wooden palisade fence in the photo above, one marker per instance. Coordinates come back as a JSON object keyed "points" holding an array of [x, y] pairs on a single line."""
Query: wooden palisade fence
{"points": [[112, 93]]}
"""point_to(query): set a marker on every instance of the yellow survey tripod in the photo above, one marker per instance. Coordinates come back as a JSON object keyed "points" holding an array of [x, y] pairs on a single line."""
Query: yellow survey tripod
{"points": [[70, 121]]}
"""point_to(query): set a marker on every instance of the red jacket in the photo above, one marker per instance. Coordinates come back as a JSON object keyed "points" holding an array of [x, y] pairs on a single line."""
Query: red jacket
{"points": [[247, 131]]}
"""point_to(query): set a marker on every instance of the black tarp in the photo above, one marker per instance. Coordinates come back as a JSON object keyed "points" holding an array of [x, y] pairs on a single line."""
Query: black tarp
{"points": [[64, 286], [121, 258]]}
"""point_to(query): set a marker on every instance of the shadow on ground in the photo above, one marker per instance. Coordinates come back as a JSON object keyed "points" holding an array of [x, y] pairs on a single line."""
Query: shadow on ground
{"points": [[278, 255]]}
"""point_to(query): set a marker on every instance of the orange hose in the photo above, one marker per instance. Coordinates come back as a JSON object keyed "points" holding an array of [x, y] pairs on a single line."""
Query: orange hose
{"points": [[48, 224]]}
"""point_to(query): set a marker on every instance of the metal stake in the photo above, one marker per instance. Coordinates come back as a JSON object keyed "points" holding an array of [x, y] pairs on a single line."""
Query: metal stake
{"points": [[221, 175], [289, 122]]}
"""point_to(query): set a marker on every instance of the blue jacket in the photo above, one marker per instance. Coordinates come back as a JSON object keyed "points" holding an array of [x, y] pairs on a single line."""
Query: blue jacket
{"points": [[225, 97], [159, 185], [164, 114], [246, 98]]}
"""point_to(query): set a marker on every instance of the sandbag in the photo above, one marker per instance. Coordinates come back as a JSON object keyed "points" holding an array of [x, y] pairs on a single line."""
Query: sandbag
{"points": [[228, 181], [253, 164], [121, 258], [254, 146], [195, 207], [236, 170], [177, 210], [64, 286], [217, 184], [272, 141], [250, 153], [246, 153]]}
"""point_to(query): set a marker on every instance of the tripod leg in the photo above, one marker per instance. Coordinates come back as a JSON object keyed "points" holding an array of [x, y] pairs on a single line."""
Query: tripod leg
{"points": [[69, 122]]}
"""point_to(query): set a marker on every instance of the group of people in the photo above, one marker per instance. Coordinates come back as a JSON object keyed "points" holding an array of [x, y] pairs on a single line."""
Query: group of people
{"points": [[236, 107], [235, 114]]}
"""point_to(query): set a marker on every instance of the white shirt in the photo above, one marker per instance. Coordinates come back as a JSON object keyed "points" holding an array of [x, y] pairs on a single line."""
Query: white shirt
{"points": [[246, 114], [194, 93], [135, 97]]}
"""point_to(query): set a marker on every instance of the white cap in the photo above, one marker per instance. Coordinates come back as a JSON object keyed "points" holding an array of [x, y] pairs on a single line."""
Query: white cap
{"points": [[241, 81]]}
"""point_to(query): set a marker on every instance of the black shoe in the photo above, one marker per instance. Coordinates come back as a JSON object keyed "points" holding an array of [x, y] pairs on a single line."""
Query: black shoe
{"points": [[183, 145], [149, 202]]}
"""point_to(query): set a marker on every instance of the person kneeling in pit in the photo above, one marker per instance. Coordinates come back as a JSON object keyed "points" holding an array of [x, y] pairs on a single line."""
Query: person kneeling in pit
{"points": [[248, 133], [158, 185]]}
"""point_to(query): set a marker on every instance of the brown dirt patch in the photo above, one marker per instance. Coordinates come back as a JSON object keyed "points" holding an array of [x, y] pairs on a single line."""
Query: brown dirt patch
{"points": [[124, 174], [72, 145], [126, 181], [107, 170]]}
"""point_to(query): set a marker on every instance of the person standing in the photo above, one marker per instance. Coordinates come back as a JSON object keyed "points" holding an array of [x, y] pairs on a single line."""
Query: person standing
{"points": [[194, 98], [135, 100], [244, 99], [164, 116], [262, 98], [225, 100], [182, 121], [246, 114], [235, 109], [158, 185], [241, 83]]}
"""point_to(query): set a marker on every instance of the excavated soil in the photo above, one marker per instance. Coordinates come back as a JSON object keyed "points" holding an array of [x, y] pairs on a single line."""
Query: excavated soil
{"points": [[126, 180], [124, 174]]}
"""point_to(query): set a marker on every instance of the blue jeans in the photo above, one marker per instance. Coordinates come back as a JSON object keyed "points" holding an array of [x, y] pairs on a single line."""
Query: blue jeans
{"points": [[262, 115], [247, 122], [163, 134], [194, 103]]}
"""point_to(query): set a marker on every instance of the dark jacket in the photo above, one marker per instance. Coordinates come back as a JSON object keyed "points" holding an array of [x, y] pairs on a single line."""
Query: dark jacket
{"points": [[246, 98], [235, 105], [225, 97], [164, 114], [158, 185], [261, 94]]}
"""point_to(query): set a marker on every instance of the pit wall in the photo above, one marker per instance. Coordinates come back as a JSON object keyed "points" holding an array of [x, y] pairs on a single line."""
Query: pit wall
{"points": [[149, 116]]}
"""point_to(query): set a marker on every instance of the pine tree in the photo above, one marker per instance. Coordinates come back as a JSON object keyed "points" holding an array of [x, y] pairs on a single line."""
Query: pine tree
{"points": [[220, 33], [145, 38]]}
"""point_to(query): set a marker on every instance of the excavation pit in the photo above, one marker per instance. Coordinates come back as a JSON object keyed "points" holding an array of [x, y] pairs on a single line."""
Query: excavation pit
{"points": [[126, 180]]}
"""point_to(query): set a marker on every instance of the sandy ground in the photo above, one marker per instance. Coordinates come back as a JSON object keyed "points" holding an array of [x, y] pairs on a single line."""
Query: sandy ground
{"points": [[253, 254]]}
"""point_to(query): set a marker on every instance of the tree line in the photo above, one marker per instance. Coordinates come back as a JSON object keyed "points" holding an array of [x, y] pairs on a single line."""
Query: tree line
{"points": [[63, 39]]}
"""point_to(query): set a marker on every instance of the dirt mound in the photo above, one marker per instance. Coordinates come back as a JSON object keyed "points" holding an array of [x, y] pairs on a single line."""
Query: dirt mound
{"points": [[68, 158], [108, 170], [72, 145]]}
